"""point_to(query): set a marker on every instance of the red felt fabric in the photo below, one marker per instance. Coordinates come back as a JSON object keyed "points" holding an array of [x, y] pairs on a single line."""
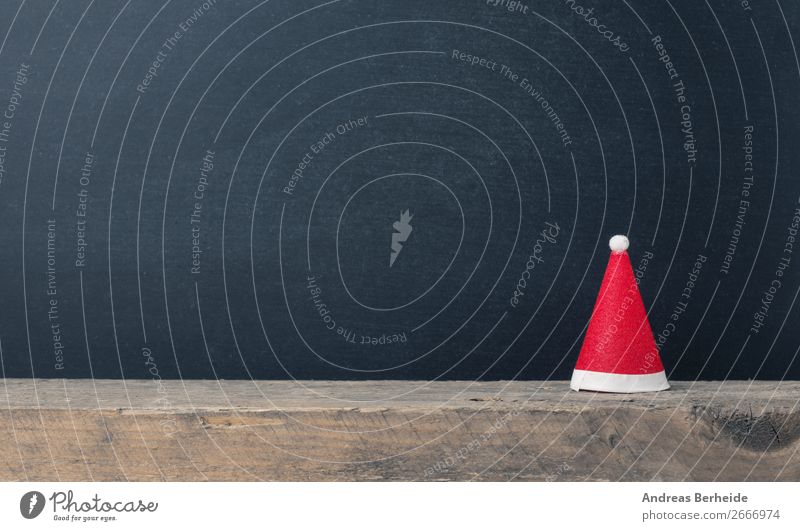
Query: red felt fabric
{"points": [[619, 339]]}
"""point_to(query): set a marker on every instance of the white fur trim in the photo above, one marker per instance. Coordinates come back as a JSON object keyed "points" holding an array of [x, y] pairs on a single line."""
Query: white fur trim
{"points": [[618, 383]]}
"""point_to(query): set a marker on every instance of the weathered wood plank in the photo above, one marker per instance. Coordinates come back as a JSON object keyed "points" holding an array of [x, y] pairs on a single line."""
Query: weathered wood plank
{"points": [[314, 430]]}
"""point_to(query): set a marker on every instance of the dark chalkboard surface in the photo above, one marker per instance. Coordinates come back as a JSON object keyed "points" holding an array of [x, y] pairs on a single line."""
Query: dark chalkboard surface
{"points": [[401, 189]]}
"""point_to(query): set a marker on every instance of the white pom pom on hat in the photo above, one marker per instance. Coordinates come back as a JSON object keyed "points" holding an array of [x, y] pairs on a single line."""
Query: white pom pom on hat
{"points": [[618, 243], [619, 352]]}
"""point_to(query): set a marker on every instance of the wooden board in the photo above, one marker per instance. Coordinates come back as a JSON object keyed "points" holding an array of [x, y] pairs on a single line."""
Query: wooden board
{"points": [[391, 430]]}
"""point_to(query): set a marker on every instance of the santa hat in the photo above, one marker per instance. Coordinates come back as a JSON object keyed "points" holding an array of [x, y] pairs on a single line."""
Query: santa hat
{"points": [[619, 354]]}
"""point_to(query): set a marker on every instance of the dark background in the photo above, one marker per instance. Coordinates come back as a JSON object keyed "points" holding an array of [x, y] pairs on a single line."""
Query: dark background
{"points": [[476, 160]]}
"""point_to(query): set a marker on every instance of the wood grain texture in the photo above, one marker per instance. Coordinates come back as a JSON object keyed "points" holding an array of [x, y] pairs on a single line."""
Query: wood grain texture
{"points": [[391, 430]]}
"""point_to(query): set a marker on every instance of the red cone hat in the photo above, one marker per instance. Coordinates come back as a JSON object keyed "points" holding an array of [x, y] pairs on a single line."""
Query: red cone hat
{"points": [[619, 354]]}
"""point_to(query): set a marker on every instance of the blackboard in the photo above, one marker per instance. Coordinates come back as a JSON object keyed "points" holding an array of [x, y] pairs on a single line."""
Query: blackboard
{"points": [[396, 189]]}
